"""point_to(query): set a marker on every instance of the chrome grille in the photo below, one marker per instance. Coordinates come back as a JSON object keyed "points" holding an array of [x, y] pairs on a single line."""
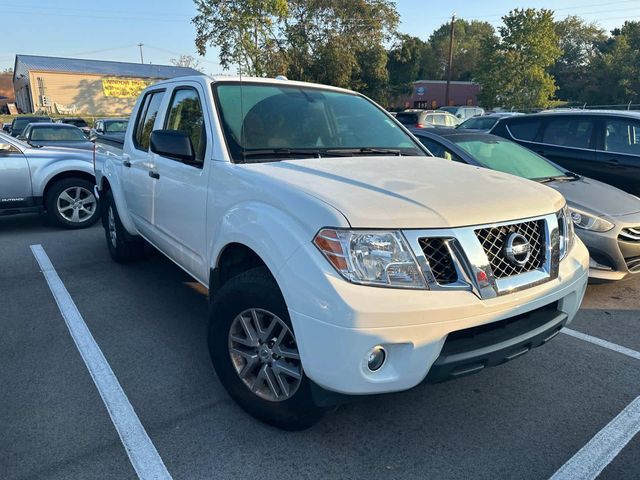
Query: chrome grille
{"points": [[493, 240], [439, 258], [630, 234]]}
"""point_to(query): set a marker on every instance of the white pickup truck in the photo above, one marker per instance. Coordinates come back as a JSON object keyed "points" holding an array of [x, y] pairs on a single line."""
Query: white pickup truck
{"points": [[340, 258]]}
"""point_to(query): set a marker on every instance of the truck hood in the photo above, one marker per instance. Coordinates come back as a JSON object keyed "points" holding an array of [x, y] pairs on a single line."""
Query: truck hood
{"points": [[414, 192], [596, 197]]}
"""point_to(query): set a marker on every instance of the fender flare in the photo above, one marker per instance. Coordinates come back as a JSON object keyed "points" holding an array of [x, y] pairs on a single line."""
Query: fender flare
{"points": [[43, 175], [267, 230], [111, 173]]}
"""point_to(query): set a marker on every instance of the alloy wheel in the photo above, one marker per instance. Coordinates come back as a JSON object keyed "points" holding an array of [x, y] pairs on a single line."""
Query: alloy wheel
{"points": [[265, 355], [76, 204], [111, 224]]}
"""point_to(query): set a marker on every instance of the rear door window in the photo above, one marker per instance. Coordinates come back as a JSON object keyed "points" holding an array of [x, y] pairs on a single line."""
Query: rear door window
{"points": [[568, 132], [525, 129], [146, 119], [622, 136]]}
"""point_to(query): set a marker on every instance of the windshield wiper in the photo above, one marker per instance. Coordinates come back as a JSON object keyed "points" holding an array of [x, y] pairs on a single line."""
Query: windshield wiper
{"points": [[559, 178], [365, 151], [276, 154]]}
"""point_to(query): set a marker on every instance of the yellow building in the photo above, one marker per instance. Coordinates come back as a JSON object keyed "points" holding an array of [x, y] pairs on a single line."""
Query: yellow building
{"points": [[90, 87]]}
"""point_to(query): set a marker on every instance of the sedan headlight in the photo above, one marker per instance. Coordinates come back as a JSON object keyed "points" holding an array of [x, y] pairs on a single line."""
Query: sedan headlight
{"points": [[565, 231], [366, 257], [587, 221]]}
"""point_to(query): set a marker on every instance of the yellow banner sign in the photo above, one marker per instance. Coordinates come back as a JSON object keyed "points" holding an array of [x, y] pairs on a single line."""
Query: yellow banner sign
{"points": [[123, 87]]}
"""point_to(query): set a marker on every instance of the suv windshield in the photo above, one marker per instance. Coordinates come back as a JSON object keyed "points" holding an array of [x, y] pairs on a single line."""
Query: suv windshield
{"points": [[266, 121], [509, 157], [20, 123], [56, 134]]}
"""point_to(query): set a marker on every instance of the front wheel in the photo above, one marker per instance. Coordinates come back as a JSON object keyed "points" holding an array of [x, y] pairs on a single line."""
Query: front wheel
{"points": [[71, 203], [255, 353]]}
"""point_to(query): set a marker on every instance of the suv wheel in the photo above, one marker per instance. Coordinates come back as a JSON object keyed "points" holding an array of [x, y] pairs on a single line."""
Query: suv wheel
{"points": [[255, 354], [71, 203], [123, 246]]}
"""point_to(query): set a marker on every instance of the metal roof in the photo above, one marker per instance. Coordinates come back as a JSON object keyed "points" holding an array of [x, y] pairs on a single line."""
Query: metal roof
{"points": [[100, 67]]}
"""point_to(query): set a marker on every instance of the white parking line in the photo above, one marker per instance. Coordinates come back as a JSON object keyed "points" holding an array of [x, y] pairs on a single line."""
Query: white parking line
{"points": [[603, 343], [143, 454], [603, 448]]}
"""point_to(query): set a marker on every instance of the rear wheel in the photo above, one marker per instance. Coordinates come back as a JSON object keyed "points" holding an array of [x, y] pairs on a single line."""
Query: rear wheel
{"points": [[70, 203], [255, 353], [123, 246]]}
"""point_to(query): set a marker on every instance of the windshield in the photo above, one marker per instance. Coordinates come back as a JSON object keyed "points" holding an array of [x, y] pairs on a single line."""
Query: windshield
{"points": [[56, 134], [275, 120], [509, 157], [116, 126], [479, 123], [20, 123]]}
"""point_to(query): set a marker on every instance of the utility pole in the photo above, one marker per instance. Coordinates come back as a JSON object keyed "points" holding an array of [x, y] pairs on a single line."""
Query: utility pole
{"points": [[451, 35], [141, 57]]}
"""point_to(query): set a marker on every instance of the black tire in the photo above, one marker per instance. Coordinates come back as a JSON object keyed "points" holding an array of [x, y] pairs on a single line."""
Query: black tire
{"points": [[79, 217], [256, 289], [124, 247]]}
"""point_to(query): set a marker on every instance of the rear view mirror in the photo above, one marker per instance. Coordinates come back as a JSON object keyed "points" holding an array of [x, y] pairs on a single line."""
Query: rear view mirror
{"points": [[173, 144]]}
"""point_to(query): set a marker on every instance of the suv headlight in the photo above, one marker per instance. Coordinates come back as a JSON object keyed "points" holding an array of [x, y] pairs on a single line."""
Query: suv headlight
{"points": [[587, 221], [565, 231], [367, 257]]}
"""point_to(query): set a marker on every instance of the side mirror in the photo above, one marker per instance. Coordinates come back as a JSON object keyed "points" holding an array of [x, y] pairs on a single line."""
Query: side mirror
{"points": [[22, 137], [173, 144], [459, 115]]}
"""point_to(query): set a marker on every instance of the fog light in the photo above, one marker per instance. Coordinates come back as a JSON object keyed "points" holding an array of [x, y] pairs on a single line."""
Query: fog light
{"points": [[376, 358]]}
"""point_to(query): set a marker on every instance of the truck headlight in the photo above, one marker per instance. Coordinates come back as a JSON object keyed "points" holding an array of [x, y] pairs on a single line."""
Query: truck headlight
{"points": [[565, 231], [587, 221], [368, 257]]}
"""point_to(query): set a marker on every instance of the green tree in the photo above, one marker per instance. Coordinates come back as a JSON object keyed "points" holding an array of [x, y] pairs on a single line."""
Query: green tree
{"points": [[244, 30], [513, 72], [467, 51], [614, 73], [406, 62], [339, 42], [579, 42]]}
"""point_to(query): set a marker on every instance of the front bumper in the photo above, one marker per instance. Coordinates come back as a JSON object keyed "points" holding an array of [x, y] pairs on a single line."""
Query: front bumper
{"points": [[336, 323]]}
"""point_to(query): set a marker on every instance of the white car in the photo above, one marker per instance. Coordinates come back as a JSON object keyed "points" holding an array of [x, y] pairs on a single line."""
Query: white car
{"points": [[340, 260]]}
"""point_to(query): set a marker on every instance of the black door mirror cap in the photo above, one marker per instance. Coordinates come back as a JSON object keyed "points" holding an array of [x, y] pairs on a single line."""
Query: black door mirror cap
{"points": [[173, 144]]}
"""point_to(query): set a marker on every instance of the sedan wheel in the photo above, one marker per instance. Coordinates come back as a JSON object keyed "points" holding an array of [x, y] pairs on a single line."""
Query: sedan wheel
{"points": [[77, 204]]}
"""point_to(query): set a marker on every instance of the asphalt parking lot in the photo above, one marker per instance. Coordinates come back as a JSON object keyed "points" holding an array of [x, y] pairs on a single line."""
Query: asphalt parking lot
{"points": [[522, 420]]}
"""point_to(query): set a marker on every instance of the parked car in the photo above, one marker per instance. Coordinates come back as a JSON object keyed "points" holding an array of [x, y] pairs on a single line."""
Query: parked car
{"points": [[606, 218], [81, 123], [109, 128], [604, 145], [426, 119], [6, 127], [19, 123], [339, 259], [484, 123], [55, 135], [56, 181], [463, 112]]}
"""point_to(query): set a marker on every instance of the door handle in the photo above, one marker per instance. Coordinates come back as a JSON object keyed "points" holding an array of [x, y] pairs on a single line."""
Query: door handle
{"points": [[153, 174], [126, 163]]}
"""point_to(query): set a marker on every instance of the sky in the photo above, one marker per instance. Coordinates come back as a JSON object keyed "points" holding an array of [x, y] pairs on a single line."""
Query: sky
{"points": [[111, 30]]}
